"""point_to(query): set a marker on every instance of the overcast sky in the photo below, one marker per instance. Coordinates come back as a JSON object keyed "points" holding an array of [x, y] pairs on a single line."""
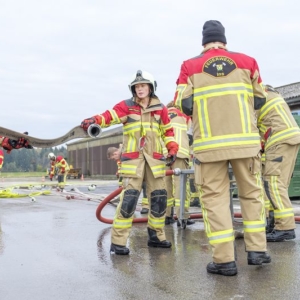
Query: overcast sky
{"points": [[65, 60]]}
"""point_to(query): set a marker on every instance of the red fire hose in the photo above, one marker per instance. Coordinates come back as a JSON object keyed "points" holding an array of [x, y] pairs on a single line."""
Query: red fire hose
{"points": [[145, 220]]}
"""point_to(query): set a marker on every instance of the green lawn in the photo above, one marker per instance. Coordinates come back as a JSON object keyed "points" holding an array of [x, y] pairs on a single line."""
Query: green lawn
{"points": [[22, 174]]}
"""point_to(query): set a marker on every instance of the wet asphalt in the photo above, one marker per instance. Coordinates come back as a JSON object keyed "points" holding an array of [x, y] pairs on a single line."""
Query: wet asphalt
{"points": [[55, 248]]}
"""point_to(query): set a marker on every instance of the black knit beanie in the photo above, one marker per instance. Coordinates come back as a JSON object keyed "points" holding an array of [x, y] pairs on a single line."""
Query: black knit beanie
{"points": [[213, 31]]}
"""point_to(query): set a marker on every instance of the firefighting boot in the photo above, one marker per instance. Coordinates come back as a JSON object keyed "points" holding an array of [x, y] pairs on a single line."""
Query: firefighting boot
{"points": [[258, 258], [226, 269], [119, 250], [188, 222], [144, 210], [195, 202], [169, 220], [155, 242], [281, 235], [270, 222]]}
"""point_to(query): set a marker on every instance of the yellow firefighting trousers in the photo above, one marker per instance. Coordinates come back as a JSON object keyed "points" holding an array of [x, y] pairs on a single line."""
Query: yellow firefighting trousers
{"points": [[277, 172], [122, 226], [213, 182]]}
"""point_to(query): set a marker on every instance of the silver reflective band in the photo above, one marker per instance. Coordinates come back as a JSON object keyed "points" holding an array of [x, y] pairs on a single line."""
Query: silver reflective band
{"points": [[94, 130]]}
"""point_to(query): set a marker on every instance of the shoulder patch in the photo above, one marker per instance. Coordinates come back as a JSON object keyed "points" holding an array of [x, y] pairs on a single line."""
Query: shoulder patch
{"points": [[219, 66]]}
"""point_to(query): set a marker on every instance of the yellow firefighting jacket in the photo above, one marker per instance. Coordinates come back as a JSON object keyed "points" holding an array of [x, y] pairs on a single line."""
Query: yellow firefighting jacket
{"points": [[143, 129], [276, 117], [181, 124], [221, 89]]}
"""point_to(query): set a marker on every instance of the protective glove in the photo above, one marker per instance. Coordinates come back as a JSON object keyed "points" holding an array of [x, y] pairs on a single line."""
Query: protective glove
{"points": [[87, 122], [172, 153]]}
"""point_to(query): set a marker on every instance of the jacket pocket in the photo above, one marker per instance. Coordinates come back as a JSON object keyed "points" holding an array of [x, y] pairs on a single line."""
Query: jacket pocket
{"points": [[159, 156], [273, 165], [129, 156]]}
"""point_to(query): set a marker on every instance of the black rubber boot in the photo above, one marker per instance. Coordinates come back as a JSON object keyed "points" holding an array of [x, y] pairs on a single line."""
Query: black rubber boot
{"points": [[144, 210], [188, 222], [258, 258], [169, 220], [281, 235], [226, 269], [155, 242], [270, 222], [119, 250], [195, 202]]}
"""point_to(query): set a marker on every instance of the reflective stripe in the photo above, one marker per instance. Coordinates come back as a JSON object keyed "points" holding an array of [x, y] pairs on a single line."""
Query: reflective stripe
{"points": [[145, 201], [128, 169], [282, 135], [156, 222], [159, 170], [284, 213], [120, 223], [220, 236], [254, 226], [180, 89], [270, 105], [245, 114], [223, 89], [170, 202], [224, 141], [275, 192], [115, 118], [186, 203]]}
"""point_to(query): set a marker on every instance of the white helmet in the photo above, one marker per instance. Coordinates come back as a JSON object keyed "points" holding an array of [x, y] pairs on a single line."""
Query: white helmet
{"points": [[51, 156], [142, 77]]}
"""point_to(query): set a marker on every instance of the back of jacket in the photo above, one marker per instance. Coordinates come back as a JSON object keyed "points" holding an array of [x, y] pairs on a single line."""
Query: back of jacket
{"points": [[221, 90], [276, 117]]}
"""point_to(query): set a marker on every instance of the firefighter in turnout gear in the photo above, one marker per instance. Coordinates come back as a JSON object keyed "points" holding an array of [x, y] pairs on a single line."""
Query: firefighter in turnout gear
{"points": [[281, 136], [221, 91], [145, 121], [59, 163], [181, 124]]}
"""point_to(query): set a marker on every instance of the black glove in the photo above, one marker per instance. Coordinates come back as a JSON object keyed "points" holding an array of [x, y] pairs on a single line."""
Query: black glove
{"points": [[170, 160], [87, 122]]}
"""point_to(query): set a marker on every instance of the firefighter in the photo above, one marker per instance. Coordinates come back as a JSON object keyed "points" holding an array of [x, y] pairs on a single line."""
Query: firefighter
{"points": [[181, 124], [221, 90], [59, 163], [281, 136], [115, 154], [145, 119]]}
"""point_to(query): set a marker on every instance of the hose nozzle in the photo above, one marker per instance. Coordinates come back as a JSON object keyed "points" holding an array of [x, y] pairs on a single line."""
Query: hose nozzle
{"points": [[94, 130]]}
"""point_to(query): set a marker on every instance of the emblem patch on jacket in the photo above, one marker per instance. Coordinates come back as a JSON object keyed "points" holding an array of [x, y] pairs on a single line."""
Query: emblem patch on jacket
{"points": [[219, 66]]}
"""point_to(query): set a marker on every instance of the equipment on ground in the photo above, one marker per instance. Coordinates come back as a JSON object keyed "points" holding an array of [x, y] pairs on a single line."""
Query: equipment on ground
{"points": [[75, 133]]}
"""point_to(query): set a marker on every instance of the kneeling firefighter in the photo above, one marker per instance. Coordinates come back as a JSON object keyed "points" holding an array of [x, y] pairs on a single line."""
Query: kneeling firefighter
{"points": [[145, 120]]}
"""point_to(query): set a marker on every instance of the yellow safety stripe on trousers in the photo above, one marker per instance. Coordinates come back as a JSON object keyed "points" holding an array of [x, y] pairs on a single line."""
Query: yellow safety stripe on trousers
{"points": [[156, 222], [170, 202], [145, 201], [282, 135], [283, 213], [267, 204], [121, 223], [159, 170], [180, 89], [223, 236], [128, 169], [186, 203], [224, 141], [254, 226], [275, 192], [275, 103]]}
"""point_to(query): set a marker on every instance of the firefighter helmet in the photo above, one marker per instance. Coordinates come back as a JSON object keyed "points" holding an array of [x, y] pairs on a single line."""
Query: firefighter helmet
{"points": [[142, 77], [51, 156]]}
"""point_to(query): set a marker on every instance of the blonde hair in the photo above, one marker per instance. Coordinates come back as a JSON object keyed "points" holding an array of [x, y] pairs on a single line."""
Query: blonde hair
{"points": [[111, 151]]}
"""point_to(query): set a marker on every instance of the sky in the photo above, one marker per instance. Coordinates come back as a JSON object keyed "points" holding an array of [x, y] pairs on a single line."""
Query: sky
{"points": [[62, 61]]}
